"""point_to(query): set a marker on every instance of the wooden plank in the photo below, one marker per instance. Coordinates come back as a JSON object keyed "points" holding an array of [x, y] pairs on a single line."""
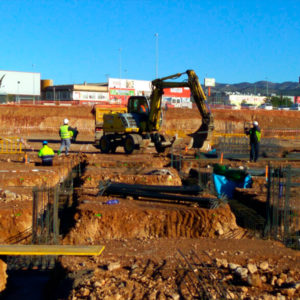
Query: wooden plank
{"points": [[82, 250]]}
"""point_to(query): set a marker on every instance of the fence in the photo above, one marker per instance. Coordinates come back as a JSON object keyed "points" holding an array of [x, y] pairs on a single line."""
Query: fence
{"points": [[272, 142], [10, 145], [239, 144]]}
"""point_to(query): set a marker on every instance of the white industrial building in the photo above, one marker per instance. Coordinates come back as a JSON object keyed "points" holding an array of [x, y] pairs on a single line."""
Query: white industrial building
{"points": [[17, 86], [249, 99]]}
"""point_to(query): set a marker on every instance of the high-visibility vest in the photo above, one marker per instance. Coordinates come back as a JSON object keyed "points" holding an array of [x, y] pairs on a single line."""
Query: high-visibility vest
{"points": [[143, 109], [255, 133], [64, 132], [258, 135], [46, 153]]}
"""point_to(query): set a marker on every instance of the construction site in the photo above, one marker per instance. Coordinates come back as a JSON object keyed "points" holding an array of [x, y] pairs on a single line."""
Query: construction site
{"points": [[147, 224]]}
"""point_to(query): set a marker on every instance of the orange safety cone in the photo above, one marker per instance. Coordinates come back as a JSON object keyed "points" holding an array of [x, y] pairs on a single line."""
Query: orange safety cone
{"points": [[221, 159], [25, 158]]}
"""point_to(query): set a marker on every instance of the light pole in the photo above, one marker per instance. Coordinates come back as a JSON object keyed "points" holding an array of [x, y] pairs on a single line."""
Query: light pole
{"points": [[267, 86], [156, 55], [33, 84], [120, 61], [18, 82]]}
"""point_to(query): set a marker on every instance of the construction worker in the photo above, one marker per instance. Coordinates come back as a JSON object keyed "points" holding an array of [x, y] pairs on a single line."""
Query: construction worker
{"points": [[65, 133], [255, 136], [46, 154], [143, 109]]}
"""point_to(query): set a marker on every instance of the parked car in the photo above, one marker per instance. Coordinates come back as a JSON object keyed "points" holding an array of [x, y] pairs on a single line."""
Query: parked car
{"points": [[283, 108], [233, 106], [295, 106], [247, 106], [266, 106]]}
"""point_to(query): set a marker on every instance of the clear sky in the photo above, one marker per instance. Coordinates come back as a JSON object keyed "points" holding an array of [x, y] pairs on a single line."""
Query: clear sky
{"points": [[89, 40]]}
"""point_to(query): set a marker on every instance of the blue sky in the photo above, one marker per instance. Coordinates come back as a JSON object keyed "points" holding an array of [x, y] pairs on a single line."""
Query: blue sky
{"points": [[80, 40]]}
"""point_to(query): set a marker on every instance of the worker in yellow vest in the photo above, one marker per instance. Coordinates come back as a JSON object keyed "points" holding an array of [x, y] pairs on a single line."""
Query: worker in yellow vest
{"points": [[46, 154], [65, 133], [255, 137]]}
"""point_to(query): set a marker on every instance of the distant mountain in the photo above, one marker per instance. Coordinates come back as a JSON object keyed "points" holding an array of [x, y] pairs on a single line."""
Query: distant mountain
{"points": [[260, 87]]}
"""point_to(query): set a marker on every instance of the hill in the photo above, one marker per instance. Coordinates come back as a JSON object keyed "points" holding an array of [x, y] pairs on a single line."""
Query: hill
{"points": [[261, 87]]}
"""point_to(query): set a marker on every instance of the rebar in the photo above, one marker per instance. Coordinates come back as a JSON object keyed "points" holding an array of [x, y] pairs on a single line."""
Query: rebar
{"points": [[207, 285], [282, 210]]}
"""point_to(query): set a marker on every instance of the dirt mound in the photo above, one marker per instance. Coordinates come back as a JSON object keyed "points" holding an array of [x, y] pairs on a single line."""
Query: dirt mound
{"points": [[144, 219]]}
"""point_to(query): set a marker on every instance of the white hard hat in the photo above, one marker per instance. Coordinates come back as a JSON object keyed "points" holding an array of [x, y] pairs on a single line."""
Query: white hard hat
{"points": [[255, 123], [66, 121]]}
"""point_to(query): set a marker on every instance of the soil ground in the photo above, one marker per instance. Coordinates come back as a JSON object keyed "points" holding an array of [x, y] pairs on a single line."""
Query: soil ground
{"points": [[154, 249]]}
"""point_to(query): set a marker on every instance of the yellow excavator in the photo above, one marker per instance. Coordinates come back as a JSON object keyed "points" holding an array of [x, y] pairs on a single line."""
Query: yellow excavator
{"points": [[140, 125]]}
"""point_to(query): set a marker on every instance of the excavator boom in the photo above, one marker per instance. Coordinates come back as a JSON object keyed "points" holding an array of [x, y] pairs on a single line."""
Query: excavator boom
{"points": [[199, 97]]}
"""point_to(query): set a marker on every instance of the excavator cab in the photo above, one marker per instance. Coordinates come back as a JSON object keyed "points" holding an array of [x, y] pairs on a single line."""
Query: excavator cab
{"points": [[138, 104], [138, 107]]}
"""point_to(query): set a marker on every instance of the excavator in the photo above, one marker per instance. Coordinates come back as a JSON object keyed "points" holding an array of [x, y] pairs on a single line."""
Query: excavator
{"points": [[140, 125]]}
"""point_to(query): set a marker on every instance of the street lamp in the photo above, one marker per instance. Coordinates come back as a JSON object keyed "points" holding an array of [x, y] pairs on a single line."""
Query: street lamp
{"points": [[120, 60], [33, 84], [156, 55], [18, 82]]}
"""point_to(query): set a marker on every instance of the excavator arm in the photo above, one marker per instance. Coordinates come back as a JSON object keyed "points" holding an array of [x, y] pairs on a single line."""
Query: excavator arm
{"points": [[205, 130], [158, 85]]}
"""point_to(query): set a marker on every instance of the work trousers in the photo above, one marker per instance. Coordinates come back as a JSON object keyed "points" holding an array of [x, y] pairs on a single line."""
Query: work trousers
{"points": [[47, 162], [65, 143], [254, 151]]}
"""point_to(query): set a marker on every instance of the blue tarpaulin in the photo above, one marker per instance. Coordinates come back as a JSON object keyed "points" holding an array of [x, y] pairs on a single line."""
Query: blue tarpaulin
{"points": [[226, 187]]}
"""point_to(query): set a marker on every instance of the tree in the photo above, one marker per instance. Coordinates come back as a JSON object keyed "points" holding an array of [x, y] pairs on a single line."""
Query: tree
{"points": [[277, 101]]}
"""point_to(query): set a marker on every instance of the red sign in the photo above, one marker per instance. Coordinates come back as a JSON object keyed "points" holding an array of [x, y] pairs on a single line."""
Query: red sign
{"points": [[297, 99], [177, 92]]}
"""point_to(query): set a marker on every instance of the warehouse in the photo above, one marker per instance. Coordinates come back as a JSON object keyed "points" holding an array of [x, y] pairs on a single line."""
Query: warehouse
{"points": [[19, 86], [87, 93]]}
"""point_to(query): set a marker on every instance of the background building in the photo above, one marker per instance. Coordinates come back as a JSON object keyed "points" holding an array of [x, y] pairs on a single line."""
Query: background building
{"points": [[235, 99], [17, 86], [121, 89], [92, 93]]}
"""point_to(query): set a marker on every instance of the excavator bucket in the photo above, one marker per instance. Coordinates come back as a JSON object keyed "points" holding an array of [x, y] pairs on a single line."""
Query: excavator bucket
{"points": [[202, 137], [199, 136]]}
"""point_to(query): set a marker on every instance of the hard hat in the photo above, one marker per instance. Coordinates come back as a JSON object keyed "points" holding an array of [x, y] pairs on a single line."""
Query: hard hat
{"points": [[66, 121], [255, 123], [45, 142]]}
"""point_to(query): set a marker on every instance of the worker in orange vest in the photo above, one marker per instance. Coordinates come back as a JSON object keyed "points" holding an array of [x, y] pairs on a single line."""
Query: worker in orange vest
{"points": [[143, 109]]}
